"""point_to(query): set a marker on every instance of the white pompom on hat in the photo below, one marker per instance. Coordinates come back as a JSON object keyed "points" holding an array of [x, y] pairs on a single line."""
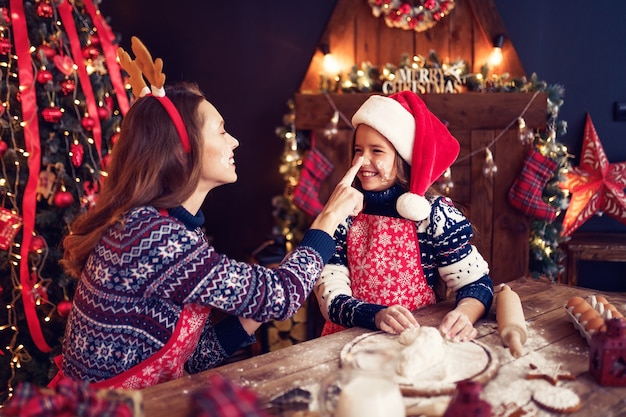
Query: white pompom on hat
{"points": [[418, 136]]}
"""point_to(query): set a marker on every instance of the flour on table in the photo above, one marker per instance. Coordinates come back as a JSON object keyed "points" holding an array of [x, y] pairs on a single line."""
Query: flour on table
{"points": [[423, 348]]}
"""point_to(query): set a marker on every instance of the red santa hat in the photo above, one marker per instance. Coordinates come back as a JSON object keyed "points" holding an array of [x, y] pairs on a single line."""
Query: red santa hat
{"points": [[420, 139]]}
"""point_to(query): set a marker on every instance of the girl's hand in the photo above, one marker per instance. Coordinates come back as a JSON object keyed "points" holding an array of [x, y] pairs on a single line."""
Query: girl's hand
{"points": [[457, 326], [395, 319]]}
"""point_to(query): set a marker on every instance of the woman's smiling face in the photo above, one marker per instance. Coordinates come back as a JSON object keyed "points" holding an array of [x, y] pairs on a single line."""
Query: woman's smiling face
{"points": [[217, 150], [378, 171]]}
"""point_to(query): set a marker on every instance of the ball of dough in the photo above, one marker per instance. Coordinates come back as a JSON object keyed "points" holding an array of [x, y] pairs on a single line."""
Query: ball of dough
{"points": [[424, 348]]}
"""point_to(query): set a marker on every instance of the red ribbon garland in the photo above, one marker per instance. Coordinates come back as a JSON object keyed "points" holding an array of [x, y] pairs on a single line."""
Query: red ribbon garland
{"points": [[110, 53], [65, 12], [33, 147], [28, 100]]}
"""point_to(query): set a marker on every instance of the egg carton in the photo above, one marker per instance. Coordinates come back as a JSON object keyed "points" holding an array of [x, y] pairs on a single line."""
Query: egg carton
{"points": [[580, 322]]}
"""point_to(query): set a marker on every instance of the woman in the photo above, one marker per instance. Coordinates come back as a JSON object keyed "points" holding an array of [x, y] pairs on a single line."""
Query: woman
{"points": [[148, 278]]}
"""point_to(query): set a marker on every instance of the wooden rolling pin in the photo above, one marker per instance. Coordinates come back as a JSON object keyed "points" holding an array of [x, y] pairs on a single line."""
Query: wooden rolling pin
{"points": [[510, 318]]}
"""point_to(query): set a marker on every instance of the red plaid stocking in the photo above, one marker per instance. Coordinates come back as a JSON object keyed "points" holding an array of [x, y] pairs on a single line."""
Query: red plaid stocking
{"points": [[526, 192], [315, 169]]}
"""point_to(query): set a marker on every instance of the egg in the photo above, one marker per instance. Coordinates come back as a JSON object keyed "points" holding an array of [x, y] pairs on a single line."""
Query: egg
{"points": [[602, 300], [596, 325], [581, 308], [588, 316], [574, 301]]}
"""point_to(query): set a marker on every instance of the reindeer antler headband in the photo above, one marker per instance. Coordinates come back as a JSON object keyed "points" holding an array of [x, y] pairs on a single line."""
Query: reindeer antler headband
{"points": [[143, 65]]}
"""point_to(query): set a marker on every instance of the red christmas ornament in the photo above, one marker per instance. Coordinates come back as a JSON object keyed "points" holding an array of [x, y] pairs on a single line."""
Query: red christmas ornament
{"points": [[63, 199], [5, 46], [5, 16], [106, 159], [103, 113], [45, 51], [404, 8], [90, 52], [44, 76], [64, 307], [88, 123], [77, 154], [52, 114], [114, 138], [45, 10], [68, 86], [91, 194], [445, 6], [395, 15], [108, 102], [10, 224], [64, 64], [430, 4], [37, 243], [94, 40], [595, 186], [3, 147]]}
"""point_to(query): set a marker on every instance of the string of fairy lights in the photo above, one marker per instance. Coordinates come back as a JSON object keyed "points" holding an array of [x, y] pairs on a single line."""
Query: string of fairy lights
{"points": [[73, 108], [545, 238]]}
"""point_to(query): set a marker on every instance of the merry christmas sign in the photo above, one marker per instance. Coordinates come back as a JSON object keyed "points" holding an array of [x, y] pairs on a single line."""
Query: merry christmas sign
{"points": [[425, 80]]}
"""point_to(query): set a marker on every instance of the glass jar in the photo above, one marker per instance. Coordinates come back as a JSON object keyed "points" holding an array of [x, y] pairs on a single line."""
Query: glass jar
{"points": [[365, 386]]}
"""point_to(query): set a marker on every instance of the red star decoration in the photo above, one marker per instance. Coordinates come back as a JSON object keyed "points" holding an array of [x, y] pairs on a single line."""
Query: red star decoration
{"points": [[595, 186]]}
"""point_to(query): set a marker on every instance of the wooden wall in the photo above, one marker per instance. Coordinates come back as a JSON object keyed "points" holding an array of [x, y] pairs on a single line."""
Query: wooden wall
{"points": [[355, 36], [477, 121]]}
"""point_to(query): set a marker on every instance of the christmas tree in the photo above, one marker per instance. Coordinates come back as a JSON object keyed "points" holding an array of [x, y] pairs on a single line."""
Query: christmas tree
{"points": [[62, 101]]}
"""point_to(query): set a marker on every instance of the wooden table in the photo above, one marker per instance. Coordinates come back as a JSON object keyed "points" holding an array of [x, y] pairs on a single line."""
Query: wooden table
{"points": [[553, 339]]}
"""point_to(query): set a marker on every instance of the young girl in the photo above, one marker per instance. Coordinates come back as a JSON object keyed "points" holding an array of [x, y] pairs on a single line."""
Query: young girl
{"points": [[148, 277], [391, 258]]}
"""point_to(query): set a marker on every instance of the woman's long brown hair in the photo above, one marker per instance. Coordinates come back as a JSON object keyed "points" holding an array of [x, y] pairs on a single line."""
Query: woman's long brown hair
{"points": [[148, 167]]}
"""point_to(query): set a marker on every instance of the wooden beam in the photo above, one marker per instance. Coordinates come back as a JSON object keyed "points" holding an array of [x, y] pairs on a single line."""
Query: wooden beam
{"points": [[467, 110]]}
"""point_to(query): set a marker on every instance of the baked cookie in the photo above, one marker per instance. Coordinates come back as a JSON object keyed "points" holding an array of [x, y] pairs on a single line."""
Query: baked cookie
{"points": [[557, 399]]}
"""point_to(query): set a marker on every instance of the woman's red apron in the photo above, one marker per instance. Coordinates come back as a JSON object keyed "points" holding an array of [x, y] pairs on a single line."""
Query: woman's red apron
{"points": [[166, 364], [385, 264]]}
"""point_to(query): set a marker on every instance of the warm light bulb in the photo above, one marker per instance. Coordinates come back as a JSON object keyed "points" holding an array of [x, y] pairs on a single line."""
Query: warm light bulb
{"points": [[330, 64], [495, 58]]}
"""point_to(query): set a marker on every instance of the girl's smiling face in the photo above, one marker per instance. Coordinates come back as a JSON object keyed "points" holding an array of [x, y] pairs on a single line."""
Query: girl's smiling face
{"points": [[378, 171]]}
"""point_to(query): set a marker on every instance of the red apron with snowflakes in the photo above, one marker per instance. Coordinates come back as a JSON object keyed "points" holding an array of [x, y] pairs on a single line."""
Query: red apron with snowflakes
{"points": [[167, 363], [385, 267]]}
